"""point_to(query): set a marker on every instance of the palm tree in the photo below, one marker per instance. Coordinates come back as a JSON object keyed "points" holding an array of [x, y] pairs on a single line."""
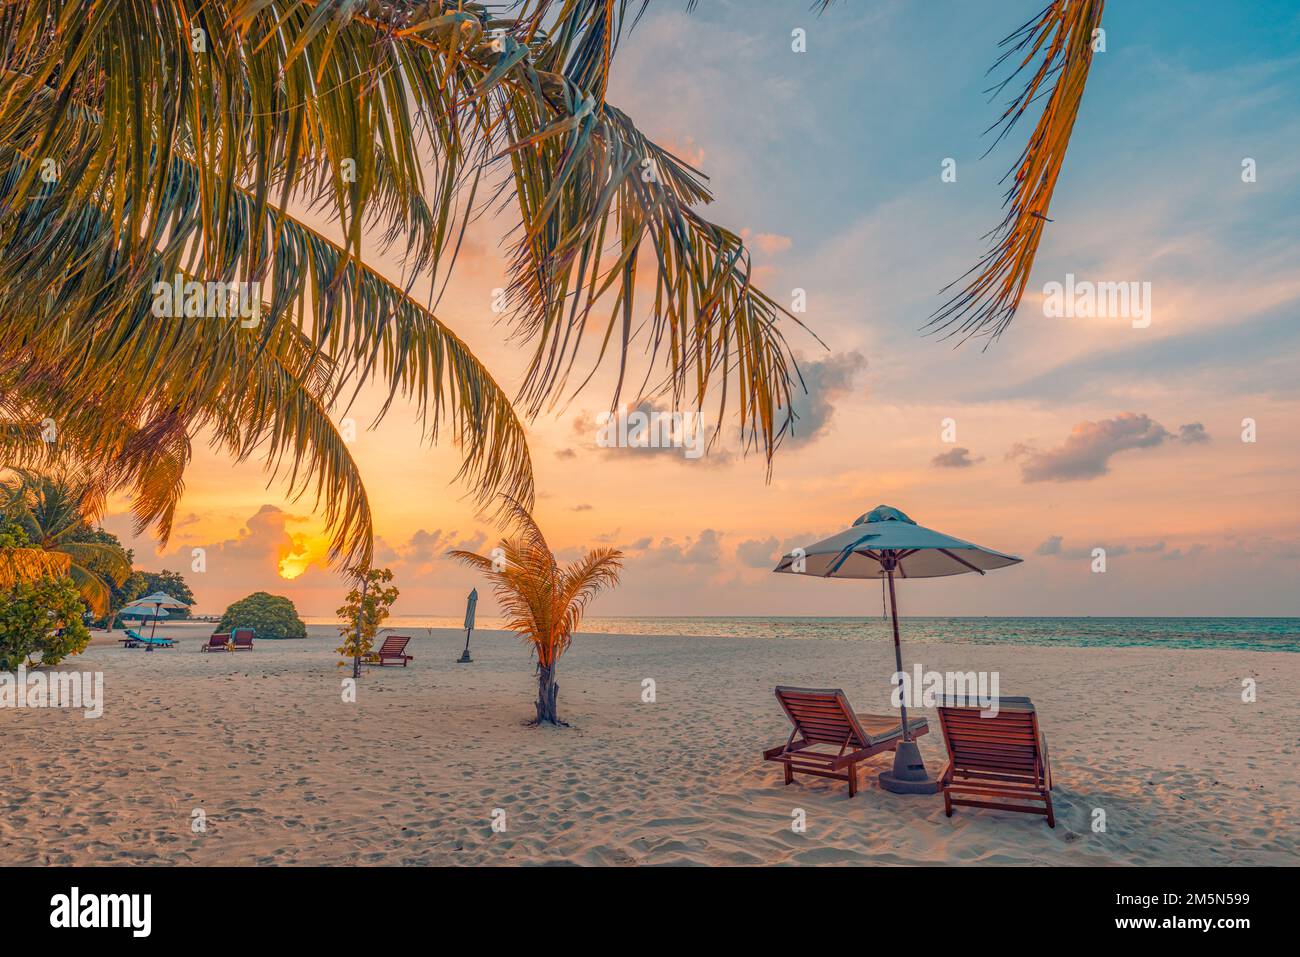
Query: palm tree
{"points": [[184, 138], [542, 602], [52, 512]]}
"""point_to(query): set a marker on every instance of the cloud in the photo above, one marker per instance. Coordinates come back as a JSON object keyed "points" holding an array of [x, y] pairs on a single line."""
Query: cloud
{"points": [[566, 454], [758, 553], [828, 381], [770, 243], [1085, 454], [584, 507], [1050, 547], [1054, 547], [1177, 554], [958, 458], [704, 549]]}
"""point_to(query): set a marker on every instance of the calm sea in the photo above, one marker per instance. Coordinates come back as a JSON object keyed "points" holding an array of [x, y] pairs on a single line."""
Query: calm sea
{"points": [[1256, 634]]}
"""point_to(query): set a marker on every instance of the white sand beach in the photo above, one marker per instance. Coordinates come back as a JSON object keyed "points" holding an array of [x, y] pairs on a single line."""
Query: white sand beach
{"points": [[285, 772]]}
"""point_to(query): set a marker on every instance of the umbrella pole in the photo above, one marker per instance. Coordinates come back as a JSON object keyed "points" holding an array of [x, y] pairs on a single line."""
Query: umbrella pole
{"points": [[908, 776], [898, 651]]}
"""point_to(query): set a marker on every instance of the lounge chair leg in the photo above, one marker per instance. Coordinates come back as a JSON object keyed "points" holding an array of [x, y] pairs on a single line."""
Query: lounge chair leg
{"points": [[853, 779], [947, 802], [1051, 816], [789, 775]]}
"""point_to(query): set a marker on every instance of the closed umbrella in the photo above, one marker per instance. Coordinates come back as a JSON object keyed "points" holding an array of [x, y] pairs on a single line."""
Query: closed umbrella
{"points": [[470, 605], [885, 543]]}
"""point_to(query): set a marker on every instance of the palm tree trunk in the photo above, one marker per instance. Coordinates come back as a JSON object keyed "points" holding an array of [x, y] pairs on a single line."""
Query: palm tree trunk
{"points": [[547, 692]]}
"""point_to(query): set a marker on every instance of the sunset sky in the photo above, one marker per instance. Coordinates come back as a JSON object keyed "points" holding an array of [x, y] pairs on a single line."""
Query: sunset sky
{"points": [[1071, 433]]}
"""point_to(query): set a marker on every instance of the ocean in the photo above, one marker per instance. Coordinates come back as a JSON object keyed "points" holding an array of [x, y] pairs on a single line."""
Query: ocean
{"points": [[1252, 634]]}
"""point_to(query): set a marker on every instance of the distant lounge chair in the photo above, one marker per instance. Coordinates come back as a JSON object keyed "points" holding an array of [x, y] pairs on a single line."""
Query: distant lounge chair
{"points": [[822, 716], [134, 639], [393, 649], [996, 758], [218, 642], [242, 639]]}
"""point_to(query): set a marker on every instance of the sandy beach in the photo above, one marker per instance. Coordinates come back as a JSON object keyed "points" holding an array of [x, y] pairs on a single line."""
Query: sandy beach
{"points": [[284, 772]]}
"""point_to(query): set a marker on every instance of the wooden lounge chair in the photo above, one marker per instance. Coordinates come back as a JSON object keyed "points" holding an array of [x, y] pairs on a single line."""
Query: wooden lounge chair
{"points": [[393, 649], [242, 639], [822, 716], [993, 759], [218, 642]]}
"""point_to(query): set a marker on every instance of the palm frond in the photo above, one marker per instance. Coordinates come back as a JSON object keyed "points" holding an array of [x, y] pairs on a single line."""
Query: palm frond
{"points": [[1060, 39], [30, 564]]}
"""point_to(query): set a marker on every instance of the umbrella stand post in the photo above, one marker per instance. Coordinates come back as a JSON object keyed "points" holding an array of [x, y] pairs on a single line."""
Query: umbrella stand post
{"points": [[898, 649], [153, 627], [464, 655], [908, 775]]}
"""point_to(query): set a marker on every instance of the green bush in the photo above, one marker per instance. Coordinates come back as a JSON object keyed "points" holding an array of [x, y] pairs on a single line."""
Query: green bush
{"points": [[271, 616], [41, 617]]}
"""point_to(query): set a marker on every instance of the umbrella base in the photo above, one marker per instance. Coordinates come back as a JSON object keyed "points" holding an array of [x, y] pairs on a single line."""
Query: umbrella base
{"points": [[464, 658], [908, 775]]}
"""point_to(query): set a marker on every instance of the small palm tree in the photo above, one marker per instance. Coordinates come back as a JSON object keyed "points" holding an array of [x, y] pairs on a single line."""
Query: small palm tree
{"points": [[52, 511], [543, 603]]}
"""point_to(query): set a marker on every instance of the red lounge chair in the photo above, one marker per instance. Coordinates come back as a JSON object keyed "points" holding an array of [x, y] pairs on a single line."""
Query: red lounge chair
{"points": [[218, 642], [242, 638], [992, 759], [393, 649], [822, 716]]}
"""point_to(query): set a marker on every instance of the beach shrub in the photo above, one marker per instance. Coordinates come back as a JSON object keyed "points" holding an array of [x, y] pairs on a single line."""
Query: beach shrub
{"points": [[361, 616], [44, 618], [271, 616]]}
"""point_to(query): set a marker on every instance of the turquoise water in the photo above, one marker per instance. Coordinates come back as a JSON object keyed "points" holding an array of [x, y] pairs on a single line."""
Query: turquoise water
{"points": [[1255, 634]]}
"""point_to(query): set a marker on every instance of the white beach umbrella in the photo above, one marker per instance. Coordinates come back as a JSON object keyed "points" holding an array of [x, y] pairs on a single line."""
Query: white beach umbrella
{"points": [[143, 611], [881, 544], [157, 602]]}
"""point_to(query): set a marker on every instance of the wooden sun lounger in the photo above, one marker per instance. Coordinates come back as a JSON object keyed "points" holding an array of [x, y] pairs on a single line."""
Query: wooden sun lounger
{"points": [[218, 642], [991, 760], [822, 716], [393, 649], [242, 639]]}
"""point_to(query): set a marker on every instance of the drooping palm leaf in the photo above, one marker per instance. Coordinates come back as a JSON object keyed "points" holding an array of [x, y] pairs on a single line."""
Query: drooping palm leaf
{"points": [[1060, 40]]}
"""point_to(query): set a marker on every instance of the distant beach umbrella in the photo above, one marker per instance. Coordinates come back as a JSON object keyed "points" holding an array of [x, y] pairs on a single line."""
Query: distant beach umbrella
{"points": [[880, 544], [143, 611], [158, 601], [470, 605]]}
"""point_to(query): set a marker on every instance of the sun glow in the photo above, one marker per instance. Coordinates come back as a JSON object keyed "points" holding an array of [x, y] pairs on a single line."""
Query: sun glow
{"points": [[308, 548]]}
